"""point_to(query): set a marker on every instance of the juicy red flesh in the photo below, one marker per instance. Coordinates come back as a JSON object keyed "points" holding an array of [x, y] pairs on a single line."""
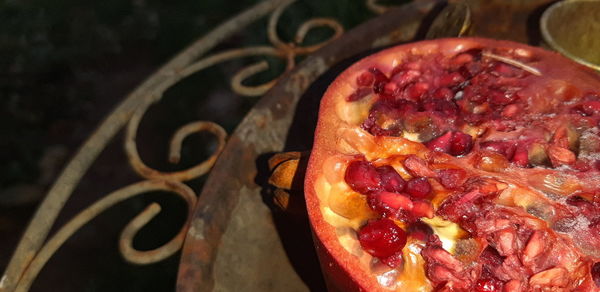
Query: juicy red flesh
{"points": [[391, 181], [382, 238], [418, 188], [596, 274], [472, 106], [461, 144], [362, 176], [453, 143], [438, 96], [488, 285], [452, 178]]}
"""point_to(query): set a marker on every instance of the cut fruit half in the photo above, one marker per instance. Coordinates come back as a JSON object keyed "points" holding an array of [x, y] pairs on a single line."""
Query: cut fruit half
{"points": [[458, 165]]}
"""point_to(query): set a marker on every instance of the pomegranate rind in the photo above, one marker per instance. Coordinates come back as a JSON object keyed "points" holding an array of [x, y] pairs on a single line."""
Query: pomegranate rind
{"points": [[342, 270]]}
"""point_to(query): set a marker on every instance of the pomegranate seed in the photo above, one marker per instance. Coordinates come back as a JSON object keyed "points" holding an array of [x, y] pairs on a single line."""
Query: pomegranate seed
{"points": [[416, 90], [394, 260], [406, 106], [418, 167], [443, 93], [582, 166], [391, 181], [501, 98], [391, 89], [488, 285], [452, 178], [358, 94], [591, 108], [404, 78], [441, 143], [380, 80], [521, 157], [382, 238], [418, 187], [422, 209], [510, 111], [365, 79], [395, 201], [362, 176], [596, 274], [474, 94], [461, 144], [505, 148], [447, 108], [451, 79], [462, 59]]}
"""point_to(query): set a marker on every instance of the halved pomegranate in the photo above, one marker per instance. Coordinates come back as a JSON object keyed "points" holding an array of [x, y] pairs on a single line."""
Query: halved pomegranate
{"points": [[458, 165]]}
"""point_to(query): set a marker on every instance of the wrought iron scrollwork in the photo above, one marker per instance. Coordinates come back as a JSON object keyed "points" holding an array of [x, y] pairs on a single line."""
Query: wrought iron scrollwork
{"points": [[34, 249]]}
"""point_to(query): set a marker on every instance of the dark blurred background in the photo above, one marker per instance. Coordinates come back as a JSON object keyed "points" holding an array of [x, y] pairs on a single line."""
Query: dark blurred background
{"points": [[65, 65]]}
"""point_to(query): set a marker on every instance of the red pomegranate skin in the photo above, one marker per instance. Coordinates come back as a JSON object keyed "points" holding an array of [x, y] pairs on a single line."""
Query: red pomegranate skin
{"points": [[341, 269]]}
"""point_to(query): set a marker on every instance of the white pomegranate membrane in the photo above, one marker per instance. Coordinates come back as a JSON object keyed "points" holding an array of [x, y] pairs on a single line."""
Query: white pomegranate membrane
{"points": [[429, 189]]}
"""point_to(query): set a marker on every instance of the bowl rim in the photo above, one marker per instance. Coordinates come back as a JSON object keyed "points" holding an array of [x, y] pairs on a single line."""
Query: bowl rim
{"points": [[548, 38]]}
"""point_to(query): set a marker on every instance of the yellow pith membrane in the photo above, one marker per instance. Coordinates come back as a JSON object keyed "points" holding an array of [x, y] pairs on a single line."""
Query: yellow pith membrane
{"points": [[527, 195]]}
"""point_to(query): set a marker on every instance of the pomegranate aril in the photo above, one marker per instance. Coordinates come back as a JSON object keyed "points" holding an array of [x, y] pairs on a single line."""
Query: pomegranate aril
{"points": [[505, 148], [510, 111], [362, 176], [488, 285], [447, 108], [452, 178], [380, 80], [418, 187], [382, 238], [596, 274], [393, 261], [461, 59], [474, 94], [422, 209], [520, 158], [403, 78], [501, 98], [441, 143], [395, 200], [391, 89], [461, 144], [451, 79], [391, 181], [591, 107], [453, 143], [365, 79], [416, 90], [443, 93]]}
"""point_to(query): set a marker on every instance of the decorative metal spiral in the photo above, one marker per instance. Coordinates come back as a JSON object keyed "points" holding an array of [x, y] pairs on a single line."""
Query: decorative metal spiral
{"points": [[34, 249]]}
